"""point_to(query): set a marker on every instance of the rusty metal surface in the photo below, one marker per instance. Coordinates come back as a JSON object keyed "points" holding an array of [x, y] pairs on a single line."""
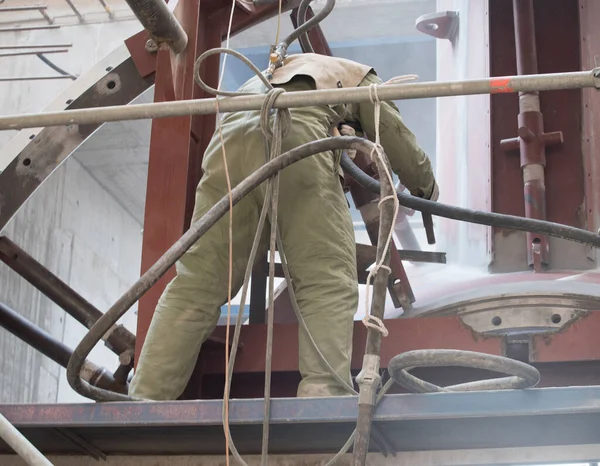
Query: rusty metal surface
{"points": [[590, 57], [51, 146], [405, 335], [452, 420], [557, 26], [576, 342], [175, 158], [144, 60]]}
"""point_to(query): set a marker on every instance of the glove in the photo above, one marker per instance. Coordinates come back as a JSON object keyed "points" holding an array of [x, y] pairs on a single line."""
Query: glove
{"points": [[346, 130], [435, 192]]}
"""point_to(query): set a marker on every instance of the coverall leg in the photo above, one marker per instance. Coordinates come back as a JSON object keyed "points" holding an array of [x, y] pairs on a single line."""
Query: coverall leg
{"points": [[318, 240]]}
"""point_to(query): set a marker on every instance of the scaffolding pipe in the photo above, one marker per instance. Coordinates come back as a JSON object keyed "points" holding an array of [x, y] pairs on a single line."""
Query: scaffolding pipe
{"points": [[119, 339], [160, 23], [43, 342], [40, 8], [23, 447], [35, 46], [31, 52], [75, 10], [388, 92]]}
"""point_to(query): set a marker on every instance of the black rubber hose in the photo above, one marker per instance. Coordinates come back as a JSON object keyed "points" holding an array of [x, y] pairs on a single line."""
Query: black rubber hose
{"points": [[195, 232], [522, 375], [166, 261], [474, 216], [304, 39], [55, 67], [304, 28]]}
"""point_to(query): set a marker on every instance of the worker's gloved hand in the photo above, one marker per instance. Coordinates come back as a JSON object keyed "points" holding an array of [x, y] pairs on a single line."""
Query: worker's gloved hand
{"points": [[346, 130], [435, 192], [434, 196]]}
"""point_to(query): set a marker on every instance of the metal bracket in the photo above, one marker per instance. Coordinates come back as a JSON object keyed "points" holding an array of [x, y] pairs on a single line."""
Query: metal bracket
{"points": [[368, 380], [441, 25]]}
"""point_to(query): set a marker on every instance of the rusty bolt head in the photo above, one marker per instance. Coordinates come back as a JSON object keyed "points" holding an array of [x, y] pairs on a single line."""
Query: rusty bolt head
{"points": [[125, 358], [151, 46]]}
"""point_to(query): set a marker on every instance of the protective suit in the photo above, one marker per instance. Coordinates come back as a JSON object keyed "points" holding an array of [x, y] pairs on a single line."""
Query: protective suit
{"points": [[315, 225]]}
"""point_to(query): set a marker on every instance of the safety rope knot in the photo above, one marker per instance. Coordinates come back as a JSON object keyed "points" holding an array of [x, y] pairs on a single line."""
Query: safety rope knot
{"points": [[375, 323], [284, 116]]}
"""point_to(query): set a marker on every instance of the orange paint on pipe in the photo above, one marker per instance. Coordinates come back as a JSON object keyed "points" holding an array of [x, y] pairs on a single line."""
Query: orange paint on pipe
{"points": [[501, 86]]}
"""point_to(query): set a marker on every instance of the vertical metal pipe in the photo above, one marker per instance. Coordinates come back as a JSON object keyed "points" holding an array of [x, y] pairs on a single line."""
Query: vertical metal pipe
{"points": [[119, 340], [532, 140]]}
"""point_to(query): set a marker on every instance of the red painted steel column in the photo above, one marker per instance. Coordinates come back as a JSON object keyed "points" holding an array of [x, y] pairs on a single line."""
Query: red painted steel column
{"points": [[531, 140], [176, 149], [589, 18]]}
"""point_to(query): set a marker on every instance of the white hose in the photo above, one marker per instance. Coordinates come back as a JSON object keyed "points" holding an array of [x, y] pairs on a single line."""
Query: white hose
{"points": [[23, 447]]}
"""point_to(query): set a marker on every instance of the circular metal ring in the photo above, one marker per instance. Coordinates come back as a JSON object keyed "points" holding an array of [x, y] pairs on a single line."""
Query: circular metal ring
{"points": [[521, 375]]}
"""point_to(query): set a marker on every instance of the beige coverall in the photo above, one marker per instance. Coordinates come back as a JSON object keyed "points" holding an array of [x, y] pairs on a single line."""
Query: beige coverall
{"points": [[315, 225]]}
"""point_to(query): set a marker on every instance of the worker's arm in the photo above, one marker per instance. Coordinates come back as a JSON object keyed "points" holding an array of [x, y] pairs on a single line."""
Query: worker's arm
{"points": [[408, 160]]}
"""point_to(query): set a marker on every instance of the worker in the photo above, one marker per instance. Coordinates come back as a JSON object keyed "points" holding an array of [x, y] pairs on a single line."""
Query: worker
{"points": [[314, 222]]}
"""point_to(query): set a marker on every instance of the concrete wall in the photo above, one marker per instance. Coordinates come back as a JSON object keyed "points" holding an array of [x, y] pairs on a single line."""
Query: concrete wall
{"points": [[72, 224], [83, 235]]}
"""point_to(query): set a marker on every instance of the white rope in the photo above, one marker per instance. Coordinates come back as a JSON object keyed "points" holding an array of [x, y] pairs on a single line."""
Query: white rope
{"points": [[369, 320]]}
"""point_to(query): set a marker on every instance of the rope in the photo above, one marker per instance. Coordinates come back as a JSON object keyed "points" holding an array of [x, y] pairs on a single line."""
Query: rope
{"points": [[230, 235], [273, 139], [369, 320]]}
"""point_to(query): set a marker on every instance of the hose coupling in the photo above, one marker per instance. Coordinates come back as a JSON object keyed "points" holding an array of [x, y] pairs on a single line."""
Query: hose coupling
{"points": [[368, 380]]}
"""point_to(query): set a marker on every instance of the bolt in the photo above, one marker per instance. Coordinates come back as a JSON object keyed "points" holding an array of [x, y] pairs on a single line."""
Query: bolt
{"points": [[125, 358], [151, 46]]}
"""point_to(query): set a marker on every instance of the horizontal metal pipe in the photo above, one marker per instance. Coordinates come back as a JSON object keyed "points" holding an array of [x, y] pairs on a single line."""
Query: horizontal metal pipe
{"points": [[510, 84], [34, 336], [22, 8], [34, 46], [30, 28], [119, 340], [33, 78], [160, 22], [31, 52]]}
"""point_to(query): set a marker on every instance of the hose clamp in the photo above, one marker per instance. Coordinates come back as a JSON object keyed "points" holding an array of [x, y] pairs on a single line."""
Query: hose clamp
{"points": [[368, 380]]}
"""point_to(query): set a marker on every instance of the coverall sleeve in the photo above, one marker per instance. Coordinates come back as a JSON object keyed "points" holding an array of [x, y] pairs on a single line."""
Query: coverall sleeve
{"points": [[407, 159]]}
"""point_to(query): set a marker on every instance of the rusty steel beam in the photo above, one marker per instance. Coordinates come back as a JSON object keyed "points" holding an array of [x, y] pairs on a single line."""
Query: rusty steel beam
{"points": [[176, 148], [406, 335]]}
